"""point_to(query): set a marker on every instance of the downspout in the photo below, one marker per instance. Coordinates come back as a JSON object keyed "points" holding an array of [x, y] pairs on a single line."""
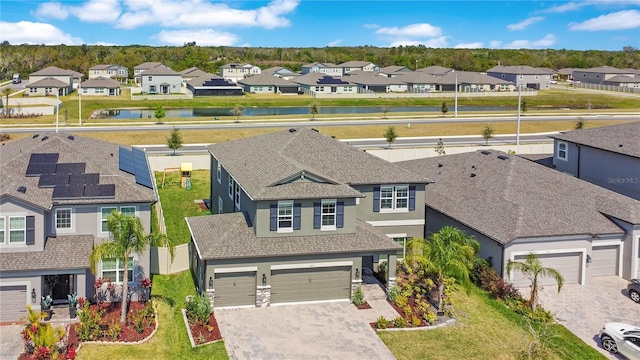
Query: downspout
{"points": [[578, 169]]}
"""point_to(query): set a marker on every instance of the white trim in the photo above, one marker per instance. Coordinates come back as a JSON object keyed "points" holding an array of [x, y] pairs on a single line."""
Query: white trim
{"points": [[617, 243], [72, 222], [235, 269], [566, 151], [396, 235], [396, 222], [311, 265], [233, 307], [262, 287], [308, 302], [583, 251], [335, 214], [606, 243]]}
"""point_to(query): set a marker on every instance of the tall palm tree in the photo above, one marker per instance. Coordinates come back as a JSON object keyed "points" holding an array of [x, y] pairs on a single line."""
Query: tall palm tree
{"points": [[532, 268], [448, 253], [128, 238]]}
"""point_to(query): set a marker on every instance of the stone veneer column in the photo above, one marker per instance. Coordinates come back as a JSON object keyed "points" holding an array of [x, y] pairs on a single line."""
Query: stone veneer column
{"points": [[211, 293], [263, 296], [391, 271]]}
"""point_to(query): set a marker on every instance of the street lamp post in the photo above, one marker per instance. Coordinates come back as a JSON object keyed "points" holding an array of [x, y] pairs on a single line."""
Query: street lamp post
{"points": [[455, 109], [518, 120], [79, 104], [57, 107]]}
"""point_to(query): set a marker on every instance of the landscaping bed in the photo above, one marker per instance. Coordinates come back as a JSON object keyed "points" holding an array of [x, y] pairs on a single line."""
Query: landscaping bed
{"points": [[102, 323], [204, 333]]}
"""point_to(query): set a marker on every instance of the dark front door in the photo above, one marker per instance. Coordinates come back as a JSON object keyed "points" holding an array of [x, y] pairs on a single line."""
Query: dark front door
{"points": [[59, 286]]}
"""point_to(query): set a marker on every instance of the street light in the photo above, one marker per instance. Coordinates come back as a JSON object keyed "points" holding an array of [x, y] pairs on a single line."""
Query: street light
{"points": [[455, 111], [518, 122], [80, 104], [57, 107]]}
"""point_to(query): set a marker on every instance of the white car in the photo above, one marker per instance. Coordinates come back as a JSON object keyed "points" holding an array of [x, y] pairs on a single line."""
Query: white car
{"points": [[621, 338]]}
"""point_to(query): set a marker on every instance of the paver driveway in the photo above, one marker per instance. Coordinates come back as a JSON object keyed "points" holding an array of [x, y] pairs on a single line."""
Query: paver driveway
{"points": [[310, 331], [10, 341], [584, 309]]}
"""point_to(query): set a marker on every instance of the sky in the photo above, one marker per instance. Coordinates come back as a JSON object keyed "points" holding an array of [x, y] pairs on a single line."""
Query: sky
{"points": [[575, 25]]}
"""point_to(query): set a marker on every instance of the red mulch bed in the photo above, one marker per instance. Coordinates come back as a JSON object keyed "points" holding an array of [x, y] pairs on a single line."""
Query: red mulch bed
{"points": [[363, 306], [205, 333]]}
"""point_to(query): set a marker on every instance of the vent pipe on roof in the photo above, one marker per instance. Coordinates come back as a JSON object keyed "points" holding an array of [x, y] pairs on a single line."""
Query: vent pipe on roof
{"points": [[502, 157], [292, 130], [44, 138], [440, 165], [35, 136], [70, 137], [473, 174], [22, 189]]}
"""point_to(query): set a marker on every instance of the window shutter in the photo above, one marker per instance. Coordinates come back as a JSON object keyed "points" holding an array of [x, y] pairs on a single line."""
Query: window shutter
{"points": [[30, 235], [273, 224], [297, 207], [412, 197], [376, 199], [340, 214], [317, 215]]}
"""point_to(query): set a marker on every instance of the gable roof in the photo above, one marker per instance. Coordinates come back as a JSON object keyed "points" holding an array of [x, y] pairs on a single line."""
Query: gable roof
{"points": [[53, 71], [469, 77], [49, 82], [266, 80], [514, 198], [355, 63], [604, 70], [621, 139], [229, 236], [147, 65], [312, 78], [371, 78], [623, 79], [101, 82], [56, 255], [106, 67], [192, 72], [519, 70], [160, 70], [435, 70], [100, 157], [258, 163], [394, 69]]}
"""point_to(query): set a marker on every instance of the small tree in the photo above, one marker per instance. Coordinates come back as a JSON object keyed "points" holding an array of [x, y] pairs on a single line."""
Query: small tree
{"points": [[487, 133], [532, 268], [314, 109], [174, 141], [580, 124], [159, 114], [440, 148], [523, 106], [444, 108], [6, 92], [237, 112], [385, 110], [391, 135]]}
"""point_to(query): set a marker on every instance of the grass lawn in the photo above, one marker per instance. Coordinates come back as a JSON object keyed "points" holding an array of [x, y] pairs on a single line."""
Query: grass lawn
{"points": [[485, 330], [178, 203], [171, 340]]}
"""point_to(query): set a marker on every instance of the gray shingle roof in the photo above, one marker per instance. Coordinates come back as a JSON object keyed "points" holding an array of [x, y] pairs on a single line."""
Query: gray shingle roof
{"points": [[435, 70], [56, 255], [228, 236], [621, 139], [267, 79], [604, 70], [52, 71], [371, 78], [355, 63], [48, 82], [100, 157], [623, 79], [160, 70], [147, 65], [521, 69], [517, 198], [101, 82], [257, 163], [311, 78], [469, 77], [394, 69], [193, 72]]}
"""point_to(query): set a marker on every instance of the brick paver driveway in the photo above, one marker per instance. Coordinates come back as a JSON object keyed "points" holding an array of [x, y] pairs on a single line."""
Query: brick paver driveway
{"points": [[310, 331], [584, 309]]}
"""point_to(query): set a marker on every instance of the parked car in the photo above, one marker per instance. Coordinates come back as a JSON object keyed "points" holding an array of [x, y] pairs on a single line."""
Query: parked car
{"points": [[16, 79], [621, 338], [634, 290]]}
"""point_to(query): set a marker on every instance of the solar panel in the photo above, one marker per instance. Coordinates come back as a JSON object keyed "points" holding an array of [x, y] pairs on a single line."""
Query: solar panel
{"points": [[44, 158], [125, 160], [91, 179], [61, 179], [76, 179], [107, 190], [331, 80], [217, 82], [91, 191], [60, 192], [47, 180], [35, 168], [76, 191], [71, 168], [142, 173]]}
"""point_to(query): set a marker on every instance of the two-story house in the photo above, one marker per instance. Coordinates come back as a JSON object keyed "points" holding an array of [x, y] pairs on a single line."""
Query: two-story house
{"points": [[49, 81], [56, 193], [235, 72], [298, 216], [112, 71], [100, 86], [139, 69], [608, 156], [350, 66], [523, 76], [161, 80], [322, 68]]}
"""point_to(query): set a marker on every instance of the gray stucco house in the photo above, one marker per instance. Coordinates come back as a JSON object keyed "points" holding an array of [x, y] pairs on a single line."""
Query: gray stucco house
{"points": [[48, 81], [524, 76], [56, 193], [514, 207], [608, 156], [297, 217], [161, 80]]}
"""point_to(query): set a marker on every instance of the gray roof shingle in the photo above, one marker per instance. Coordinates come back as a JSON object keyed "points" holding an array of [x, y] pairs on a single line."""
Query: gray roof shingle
{"points": [[48, 82], [266, 79], [101, 82], [621, 139], [521, 69], [56, 255], [228, 236]]}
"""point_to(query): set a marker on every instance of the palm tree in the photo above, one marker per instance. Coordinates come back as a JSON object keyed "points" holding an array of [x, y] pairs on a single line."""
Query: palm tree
{"points": [[237, 112], [128, 238], [448, 253], [532, 268], [314, 109]]}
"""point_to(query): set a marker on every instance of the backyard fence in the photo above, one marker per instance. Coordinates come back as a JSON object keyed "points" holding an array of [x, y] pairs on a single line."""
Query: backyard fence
{"points": [[625, 89]]}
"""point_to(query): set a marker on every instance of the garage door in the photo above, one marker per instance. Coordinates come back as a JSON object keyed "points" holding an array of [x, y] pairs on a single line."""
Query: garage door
{"points": [[295, 285], [235, 289], [568, 264], [604, 260], [13, 302]]}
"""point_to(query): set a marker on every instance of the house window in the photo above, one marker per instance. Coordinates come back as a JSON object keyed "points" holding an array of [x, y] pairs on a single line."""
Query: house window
{"points": [[231, 184], [128, 210], [328, 215], [237, 198], [400, 240], [2, 229], [220, 205], [84, 90], [394, 198], [152, 88], [285, 216], [63, 218], [17, 229], [149, 78], [114, 269], [219, 174], [537, 77], [99, 90], [106, 211], [562, 151]]}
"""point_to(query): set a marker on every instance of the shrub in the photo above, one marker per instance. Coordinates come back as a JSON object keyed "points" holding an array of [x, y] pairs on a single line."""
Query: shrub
{"points": [[198, 308], [114, 330], [401, 301], [382, 322], [429, 317], [89, 326], [138, 321], [392, 293], [383, 267], [415, 321], [399, 322], [479, 265], [497, 286], [358, 296], [407, 311]]}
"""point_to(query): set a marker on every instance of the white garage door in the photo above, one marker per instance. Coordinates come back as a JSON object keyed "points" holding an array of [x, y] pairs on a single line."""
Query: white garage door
{"points": [[604, 260], [13, 302], [235, 289], [310, 284], [568, 264]]}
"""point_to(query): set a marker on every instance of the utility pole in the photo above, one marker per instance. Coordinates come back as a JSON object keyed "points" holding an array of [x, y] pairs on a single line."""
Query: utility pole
{"points": [[518, 122]]}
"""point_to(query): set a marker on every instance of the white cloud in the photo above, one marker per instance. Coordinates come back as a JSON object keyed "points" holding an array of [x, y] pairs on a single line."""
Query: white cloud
{"points": [[494, 44], [335, 42], [545, 42], [102, 43], [422, 30], [570, 6], [206, 37], [626, 19], [525, 23], [91, 11], [473, 45], [576, 5], [439, 42], [27, 32], [51, 10]]}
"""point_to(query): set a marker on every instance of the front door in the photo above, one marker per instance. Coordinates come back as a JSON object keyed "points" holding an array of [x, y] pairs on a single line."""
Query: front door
{"points": [[59, 286]]}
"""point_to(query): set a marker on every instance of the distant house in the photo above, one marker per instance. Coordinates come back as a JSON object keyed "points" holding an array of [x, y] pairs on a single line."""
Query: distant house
{"points": [[116, 72], [160, 80], [420, 82], [268, 84], [191, 73], [350, 66], [322, 68], [235, 72], [213, 85], [624, 81], [139, 69], [50, 80], [469, 81], [394, 70], [100, 86], [280, 72], [368, 81], [435, 70], [608, 156], [523, 76], [514, 207], [566, 74], [316, 82], [601, 74]]}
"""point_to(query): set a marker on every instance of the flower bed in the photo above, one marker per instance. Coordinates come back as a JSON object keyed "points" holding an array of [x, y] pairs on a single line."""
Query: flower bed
{"points": [[202, 333], [363, 306]]}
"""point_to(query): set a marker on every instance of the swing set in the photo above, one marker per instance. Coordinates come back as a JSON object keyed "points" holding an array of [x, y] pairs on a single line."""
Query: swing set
{"points": [[169, 175]]}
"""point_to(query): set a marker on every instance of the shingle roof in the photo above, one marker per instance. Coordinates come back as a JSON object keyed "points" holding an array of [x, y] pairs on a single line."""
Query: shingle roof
{"points": [[192, 72], [266, 80], [228, 236], [257, 163], [604, 70], [567, 71], [147, 65], [469, 77], [52, 71], [371, 78], [522, 69], [160, 70], [200, 80], [48, 82], [56, 255], [623, 79], [355, 63], [621, 139], [517, 198], [435, 70], [419, 77], [394, 69], [100, 157], [101, 82], [312, 78]]}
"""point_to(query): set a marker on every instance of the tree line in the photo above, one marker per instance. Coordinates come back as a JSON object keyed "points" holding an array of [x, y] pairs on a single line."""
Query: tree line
{"points": [[25, 59]]}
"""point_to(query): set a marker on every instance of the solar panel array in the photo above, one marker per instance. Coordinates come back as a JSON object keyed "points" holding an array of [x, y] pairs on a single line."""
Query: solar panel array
{"points": [[68, 180], [134, 162], [328, 80], [217, 82]]}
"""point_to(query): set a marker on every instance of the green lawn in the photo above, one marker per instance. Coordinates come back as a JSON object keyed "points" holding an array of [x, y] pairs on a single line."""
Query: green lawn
{"points": [[171, 340], [178, 203], [485, 329]]}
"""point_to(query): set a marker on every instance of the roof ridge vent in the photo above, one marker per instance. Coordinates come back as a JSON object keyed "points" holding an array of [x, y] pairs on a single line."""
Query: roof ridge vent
{"points": [[485, 152]]}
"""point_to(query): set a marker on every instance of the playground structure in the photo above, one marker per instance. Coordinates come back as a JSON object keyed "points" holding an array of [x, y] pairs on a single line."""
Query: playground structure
{"points": [[185, 170]]}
